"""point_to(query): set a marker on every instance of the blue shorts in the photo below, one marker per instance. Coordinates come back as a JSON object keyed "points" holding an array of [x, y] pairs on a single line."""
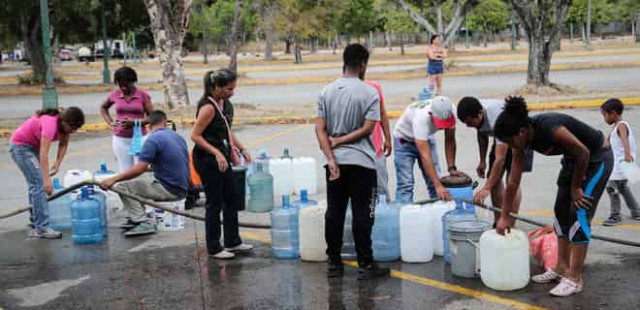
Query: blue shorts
{"points": [[435, 67]]}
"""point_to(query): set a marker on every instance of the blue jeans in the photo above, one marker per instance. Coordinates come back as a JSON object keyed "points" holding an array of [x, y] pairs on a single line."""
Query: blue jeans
{"points": [[28, 161], [406, 154]]}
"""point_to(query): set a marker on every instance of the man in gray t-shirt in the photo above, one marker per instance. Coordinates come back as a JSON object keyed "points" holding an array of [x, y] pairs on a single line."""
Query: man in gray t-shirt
{"points": [[348, 110]]}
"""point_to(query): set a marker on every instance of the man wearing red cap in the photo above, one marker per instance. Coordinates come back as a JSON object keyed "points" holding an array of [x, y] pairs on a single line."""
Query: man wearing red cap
{"points": [[414, 140]]}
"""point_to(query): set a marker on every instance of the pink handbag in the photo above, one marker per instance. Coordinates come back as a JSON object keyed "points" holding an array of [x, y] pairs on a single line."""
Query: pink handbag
{"points": [[543, 246], [235, 153]]}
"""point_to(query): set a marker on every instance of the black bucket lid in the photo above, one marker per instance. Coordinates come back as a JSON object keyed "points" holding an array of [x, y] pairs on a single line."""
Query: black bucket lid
{"points": [[456, 181]]}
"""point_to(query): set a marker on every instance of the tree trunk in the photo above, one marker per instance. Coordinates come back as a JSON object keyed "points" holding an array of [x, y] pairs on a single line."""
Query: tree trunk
{"points": [[584, 33], [287, 46], [314, 45], [539, 61], [485, 39], [401, 43], [34, 51], [235, 26], [297, 50], [387, 40], [269, 33], [169, 23], [439, 17]]}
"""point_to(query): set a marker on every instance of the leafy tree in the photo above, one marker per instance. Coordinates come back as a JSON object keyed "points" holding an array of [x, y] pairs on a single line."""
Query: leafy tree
{"points": [[488, 17], [542, 20], [357, 17], [396, 20], [458, 8]]}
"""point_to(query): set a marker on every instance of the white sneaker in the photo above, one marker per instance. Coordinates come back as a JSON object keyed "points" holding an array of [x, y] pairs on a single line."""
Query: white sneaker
{"points": [[566, 288], [224, 254], [240, 248], [547, 277], [48, 233]]}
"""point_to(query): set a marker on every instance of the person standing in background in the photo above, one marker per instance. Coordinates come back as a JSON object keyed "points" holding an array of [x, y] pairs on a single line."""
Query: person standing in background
{"points": [[436, 54], [131, 103], [381, 138]]}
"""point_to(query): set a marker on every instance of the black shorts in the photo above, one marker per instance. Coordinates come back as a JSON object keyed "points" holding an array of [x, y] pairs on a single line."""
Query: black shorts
{"points": [[571, 222], [528, 162]]}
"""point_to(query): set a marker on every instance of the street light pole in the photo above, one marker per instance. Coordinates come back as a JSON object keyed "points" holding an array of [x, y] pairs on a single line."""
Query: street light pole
{"points": [[49, 92], [106, 50]]}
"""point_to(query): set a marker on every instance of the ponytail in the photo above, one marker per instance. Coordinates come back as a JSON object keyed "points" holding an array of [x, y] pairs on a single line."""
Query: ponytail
{"points": [[514, 117], [213, 79]]}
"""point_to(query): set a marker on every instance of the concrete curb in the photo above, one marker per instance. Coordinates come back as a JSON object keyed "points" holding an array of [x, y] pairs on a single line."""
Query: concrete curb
{"points": [[302, 119]]}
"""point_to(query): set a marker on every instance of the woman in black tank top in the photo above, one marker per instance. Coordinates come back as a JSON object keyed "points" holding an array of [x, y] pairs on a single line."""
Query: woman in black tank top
{"points": [[586, 166], [212, 157]]}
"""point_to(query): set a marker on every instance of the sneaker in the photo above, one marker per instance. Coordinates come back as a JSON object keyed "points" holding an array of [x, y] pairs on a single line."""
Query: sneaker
{"points": [[48, 233], [240, 248], [335, 270], [224, 254], [144, 228], [547, 277], [612, 221], [128, 224], [372, 271], [566, 288]]}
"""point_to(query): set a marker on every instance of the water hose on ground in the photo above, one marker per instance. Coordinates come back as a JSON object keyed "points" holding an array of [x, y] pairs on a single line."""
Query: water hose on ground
{"points": [[262, 226]]}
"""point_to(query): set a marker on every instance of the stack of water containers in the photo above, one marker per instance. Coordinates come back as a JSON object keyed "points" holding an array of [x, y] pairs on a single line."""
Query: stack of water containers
{"points": [[113, 199], [284, 230], [60, 209], [102, 199], [386, 231], [460, 188], [75, 176], [260, 190], [86, 224]]}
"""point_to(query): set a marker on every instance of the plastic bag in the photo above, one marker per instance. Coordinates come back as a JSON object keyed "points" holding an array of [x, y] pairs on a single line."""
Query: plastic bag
{"points": [[543, 246], [631, 171], [136, 140]]}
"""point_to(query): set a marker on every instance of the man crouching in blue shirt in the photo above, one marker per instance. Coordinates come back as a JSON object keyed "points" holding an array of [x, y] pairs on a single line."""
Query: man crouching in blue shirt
{"points": [[166, 153]]}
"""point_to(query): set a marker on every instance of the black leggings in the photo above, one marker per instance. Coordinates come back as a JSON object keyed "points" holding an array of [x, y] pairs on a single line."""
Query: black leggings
{"points": [[219, 189]]}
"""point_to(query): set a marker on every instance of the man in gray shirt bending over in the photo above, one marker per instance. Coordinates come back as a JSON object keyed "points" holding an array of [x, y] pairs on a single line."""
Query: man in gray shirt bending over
{"points": [[348, 110]]}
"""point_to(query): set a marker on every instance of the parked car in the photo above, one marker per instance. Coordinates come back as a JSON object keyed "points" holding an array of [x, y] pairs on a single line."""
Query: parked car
{"points": [[65, 55], [85, 54]]}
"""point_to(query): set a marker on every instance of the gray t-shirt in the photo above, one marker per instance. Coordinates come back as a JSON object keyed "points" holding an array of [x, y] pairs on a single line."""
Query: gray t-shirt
{"points": [[346, 104], [492, 109]]}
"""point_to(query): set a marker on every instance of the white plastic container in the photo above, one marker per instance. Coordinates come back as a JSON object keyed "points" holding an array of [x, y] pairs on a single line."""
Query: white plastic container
{"points": [[113, 200], [75, 176], [305, 175], [282, 171], [504, 260], [416, 229], [167, 221], [438, 209], [313, 246]]}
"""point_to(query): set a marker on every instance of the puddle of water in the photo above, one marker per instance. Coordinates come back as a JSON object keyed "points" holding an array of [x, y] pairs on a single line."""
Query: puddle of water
{"points": [[41, 294]]}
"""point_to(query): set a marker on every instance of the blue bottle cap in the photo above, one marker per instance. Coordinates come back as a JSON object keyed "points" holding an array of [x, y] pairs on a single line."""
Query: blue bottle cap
{"points": [[304, 195], [56, 183], [84, 192], [259, 167], [286, 202], [103, 166]]}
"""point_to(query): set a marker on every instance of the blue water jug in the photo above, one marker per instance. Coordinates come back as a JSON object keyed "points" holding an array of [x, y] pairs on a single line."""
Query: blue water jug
{"points": [[103, 173], [457, 214], [304, 200], [425, 94], [285, 241], [263, 159], [348, 244], [102, 198], [461, 188], [386, 231], [60, 209], [260, 191], [86, 226]]}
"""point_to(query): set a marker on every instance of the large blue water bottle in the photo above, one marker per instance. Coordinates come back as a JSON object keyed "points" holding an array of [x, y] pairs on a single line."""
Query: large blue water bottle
{"points": [[284, 230], [102, 198], [60, 209], [425, 94], [460, 188], [260, 191], [103, 173], [86, 227], [386, 231], [304, 200]]}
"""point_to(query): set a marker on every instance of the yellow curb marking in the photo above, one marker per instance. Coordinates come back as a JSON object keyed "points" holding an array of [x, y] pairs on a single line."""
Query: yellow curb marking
{"points": [[429, 282]]}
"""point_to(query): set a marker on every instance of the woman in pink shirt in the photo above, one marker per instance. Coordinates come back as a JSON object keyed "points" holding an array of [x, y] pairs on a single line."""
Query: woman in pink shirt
{"points": [[29, 149], [131, 103]]}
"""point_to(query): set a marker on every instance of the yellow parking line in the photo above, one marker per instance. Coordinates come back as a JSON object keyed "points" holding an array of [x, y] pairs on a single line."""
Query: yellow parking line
{"points": [[429, 282]]}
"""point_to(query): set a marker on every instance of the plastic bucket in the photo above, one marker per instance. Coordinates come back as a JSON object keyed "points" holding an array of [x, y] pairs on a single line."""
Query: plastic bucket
{"points": [[460, 188], [447, 219], [464, 244]]}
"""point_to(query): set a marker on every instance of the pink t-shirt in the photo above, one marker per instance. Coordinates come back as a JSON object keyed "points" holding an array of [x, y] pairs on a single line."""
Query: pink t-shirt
{"points": [[31, 132], [377, 133], [131, 109]]}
